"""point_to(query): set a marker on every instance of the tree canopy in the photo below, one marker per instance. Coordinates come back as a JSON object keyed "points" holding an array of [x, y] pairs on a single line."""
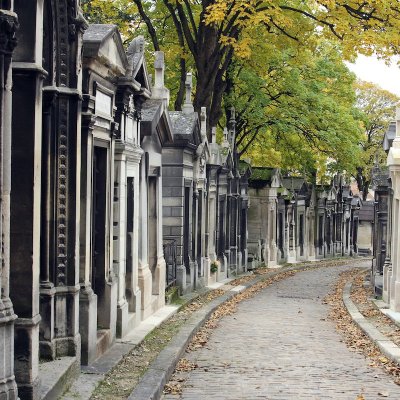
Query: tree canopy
{"points": [[301, 117], [278, 63], [377, 109], [212, 32]]}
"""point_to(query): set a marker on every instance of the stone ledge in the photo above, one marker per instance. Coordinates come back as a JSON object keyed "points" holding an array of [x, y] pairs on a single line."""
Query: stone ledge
{"points": [[385, 345], [56, 376]]}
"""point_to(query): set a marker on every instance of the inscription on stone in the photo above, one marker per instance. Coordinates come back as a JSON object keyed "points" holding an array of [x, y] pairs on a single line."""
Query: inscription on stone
{"points": [[103, 103]]}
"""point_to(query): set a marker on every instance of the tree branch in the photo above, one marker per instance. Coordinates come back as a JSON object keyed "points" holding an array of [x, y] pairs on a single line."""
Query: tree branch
{"points": [[150, 27]]}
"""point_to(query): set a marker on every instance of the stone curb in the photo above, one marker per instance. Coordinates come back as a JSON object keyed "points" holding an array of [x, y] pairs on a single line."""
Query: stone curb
{"points": [[151, 385], [385, 345]]}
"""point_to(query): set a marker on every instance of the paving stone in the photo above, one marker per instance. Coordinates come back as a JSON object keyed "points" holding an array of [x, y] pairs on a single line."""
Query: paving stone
{"points": [[280, 345]]}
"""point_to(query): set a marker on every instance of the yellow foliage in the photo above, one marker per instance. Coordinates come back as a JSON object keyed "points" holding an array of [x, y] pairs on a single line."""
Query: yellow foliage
{"points": [[366, 27]]}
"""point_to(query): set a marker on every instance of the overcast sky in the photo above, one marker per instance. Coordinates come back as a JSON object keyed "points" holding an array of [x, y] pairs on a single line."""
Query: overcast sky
{"points": [[373, 70]]}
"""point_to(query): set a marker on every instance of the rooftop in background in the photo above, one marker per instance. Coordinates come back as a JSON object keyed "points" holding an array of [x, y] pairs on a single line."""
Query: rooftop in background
{"points": [[389, 136], [366, 212], [356, 192]]}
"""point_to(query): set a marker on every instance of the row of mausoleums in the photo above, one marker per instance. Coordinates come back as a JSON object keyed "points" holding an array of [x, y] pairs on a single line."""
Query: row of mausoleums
{"points": [[108, 198], [113, 197], [291, 220], [386, 263]]}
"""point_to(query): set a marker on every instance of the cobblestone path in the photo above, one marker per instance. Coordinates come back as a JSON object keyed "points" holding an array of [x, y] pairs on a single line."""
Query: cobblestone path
{"points": [[280, 345]]}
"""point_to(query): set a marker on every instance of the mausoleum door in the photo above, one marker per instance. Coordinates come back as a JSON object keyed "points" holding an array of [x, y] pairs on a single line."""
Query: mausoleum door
{"points": [[355, 235], [199, 232], [221, 227], [328, 235], [152, 224], [99, 221], [281, 233], [129, 290], [301, 234], [321, 234], [243, 229], [186, 230]]}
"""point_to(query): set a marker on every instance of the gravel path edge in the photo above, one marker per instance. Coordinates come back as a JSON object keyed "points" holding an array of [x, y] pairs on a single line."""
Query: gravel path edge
{"points": [[151, 385], [385, 345]]}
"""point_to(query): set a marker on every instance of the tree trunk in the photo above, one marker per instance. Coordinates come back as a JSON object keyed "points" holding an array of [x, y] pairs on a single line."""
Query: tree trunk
{"points": [[181, 92], [365, 189]]}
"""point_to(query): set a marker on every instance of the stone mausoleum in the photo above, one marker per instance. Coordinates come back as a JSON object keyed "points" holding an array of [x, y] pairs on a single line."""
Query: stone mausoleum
{"points": [[115, 197]]}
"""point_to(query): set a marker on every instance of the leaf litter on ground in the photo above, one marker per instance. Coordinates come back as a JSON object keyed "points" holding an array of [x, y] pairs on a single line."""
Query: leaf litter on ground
{"points": [[123, 378], [353, 336]]}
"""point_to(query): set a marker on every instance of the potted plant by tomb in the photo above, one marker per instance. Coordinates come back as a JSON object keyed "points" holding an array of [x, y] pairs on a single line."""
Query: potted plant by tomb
{"points": [[214, 266]]}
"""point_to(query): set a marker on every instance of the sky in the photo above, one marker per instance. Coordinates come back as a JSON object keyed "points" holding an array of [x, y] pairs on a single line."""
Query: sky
{"points": [[373, 70]]}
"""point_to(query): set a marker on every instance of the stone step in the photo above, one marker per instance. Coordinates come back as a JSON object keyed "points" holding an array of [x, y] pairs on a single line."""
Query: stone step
{"points": [[57, 376], [103, 341]]}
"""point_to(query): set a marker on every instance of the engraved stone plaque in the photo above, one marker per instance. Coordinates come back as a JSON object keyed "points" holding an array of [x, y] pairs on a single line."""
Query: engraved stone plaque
{"points": [[103, 103]]}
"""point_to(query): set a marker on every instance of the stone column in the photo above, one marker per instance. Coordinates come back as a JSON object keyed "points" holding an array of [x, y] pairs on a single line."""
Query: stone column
{"points": [[8, 26], [28, 76], [272, 224], [120, 235], [87, 297], [126, 207], [393, 163], [195, 216], [309, 227], [144, 273], [134, 303], [387, 267], [233, 217], [126, 244], [61, 173], [161, 265], [212, 228], [108, 294]]}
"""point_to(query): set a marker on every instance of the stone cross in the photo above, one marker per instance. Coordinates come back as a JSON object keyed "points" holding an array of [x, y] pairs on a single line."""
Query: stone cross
{"points": [[159, 91], [225, 135], [232, 127], [214, 135], [203, 122], [188, 106], [159, 67]]}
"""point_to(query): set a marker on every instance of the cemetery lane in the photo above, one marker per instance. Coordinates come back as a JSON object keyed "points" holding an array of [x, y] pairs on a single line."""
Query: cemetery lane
{"points": [[281, 345]]}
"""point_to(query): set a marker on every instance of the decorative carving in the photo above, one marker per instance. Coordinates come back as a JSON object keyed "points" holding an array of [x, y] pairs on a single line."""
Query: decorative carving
{"points": [[63, 41], [380, 176], [202, 163], [138, 101], [62, 184], [76, 21], [8, 27]]}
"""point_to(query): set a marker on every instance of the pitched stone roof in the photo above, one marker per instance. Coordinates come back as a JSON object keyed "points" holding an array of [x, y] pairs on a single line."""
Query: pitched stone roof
{"points": [[103, 42], [366, 212], [389, 136], [98, 32], [135, 53], [183, 125], [293, 182], [151, 109]]}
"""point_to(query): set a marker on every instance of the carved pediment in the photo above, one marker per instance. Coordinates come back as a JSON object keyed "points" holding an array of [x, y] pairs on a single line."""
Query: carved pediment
{"points": [[137, 69], [103, 43]]}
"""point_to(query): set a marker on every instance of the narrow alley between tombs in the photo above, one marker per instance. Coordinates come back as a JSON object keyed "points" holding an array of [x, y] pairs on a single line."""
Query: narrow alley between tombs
{"points": [[281, 345]]}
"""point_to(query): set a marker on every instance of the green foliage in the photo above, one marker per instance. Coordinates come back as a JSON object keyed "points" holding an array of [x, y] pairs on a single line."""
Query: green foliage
{"points": [[300, 117], [274, 61], [376, 109]]}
